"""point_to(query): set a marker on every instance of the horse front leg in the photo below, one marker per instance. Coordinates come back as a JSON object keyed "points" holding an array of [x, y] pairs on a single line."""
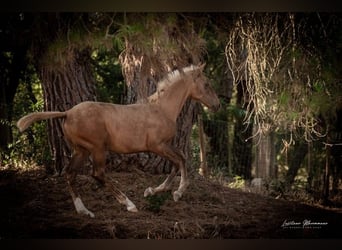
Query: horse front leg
{"points": [[178, 159], [99, 175], [165, 186], [77, 159]]}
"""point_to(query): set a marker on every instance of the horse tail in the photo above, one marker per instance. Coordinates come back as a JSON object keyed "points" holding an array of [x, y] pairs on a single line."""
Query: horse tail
{"points": [[27, 120]]}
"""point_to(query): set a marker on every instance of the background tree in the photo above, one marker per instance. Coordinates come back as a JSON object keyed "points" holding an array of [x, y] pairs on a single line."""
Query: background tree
{"points": [[154, 45], [62, 46], [13, 60], [282, 59]]}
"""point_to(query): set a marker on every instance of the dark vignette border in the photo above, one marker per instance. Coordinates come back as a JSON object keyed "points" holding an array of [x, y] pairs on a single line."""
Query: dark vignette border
{"points": [[171, 6], [171, 244]]}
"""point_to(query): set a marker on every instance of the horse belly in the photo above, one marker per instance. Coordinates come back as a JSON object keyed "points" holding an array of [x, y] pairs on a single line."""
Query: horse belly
{"points": [[127, 137], [139, 137]]}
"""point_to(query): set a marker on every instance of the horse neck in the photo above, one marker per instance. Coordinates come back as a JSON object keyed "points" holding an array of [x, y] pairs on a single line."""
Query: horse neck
{"points": [[174, 98]]}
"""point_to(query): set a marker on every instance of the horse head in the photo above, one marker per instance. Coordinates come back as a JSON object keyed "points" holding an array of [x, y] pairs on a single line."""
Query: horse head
{"points": [[202, 91]]}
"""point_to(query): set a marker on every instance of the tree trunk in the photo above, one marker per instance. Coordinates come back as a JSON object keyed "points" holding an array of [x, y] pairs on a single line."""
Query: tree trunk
{"points": [[295, 159], [265, 157], [64, 87], [242, 145]]}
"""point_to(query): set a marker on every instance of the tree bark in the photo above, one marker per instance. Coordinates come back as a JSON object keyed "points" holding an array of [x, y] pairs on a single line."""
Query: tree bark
{"points": [[64, 87], [265, 158]]}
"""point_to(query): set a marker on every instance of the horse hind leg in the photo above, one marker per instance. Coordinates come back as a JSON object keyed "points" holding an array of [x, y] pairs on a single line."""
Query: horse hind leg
{"points": [[121, 197], [99, 175], [76, 162]]}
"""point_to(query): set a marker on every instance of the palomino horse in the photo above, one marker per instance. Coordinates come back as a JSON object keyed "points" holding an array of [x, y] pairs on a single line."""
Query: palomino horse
{"points": [[92, 128]]}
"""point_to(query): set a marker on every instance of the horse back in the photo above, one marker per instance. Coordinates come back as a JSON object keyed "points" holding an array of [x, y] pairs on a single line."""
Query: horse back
{"points": [[119, 128]]}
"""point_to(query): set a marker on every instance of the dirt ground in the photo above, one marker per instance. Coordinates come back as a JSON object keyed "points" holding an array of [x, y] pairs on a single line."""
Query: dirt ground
{"points": [[35, 205]]}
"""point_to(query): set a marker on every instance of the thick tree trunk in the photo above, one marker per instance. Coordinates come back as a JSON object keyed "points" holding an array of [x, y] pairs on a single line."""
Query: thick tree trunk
{"points": [[64, 87]]}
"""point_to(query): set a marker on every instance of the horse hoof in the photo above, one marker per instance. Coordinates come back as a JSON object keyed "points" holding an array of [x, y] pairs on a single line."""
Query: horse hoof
{"points": [[132, 209], [130, 206], [81, 209], [92, 215], [177, 195], [148, 192]]}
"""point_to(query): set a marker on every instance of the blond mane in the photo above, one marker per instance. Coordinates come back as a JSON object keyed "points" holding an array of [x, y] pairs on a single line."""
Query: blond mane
{"points": [[169, 80]]}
